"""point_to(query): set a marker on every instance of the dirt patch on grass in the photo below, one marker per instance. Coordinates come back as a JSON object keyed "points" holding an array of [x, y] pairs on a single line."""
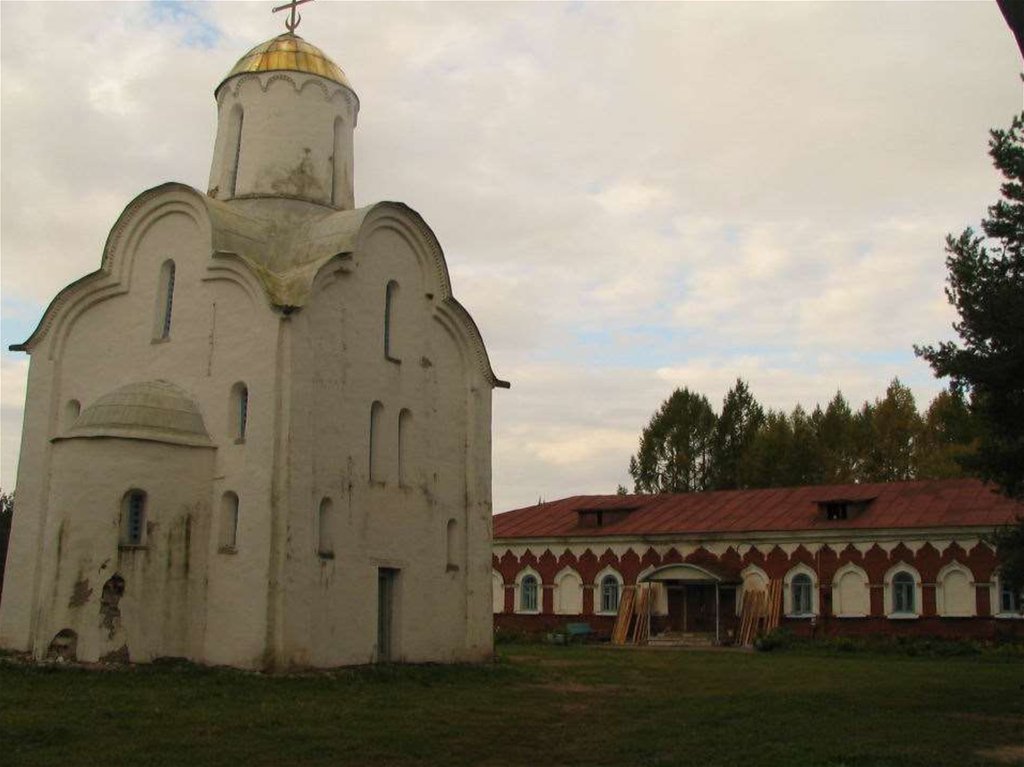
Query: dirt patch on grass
{"points": [[1004, 754]]}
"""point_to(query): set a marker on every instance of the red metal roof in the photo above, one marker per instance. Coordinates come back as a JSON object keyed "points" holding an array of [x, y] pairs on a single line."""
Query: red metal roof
{"points": [[924, 504]]}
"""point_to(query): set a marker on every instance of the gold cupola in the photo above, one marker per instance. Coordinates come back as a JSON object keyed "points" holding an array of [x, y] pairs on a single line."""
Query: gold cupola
{"points": [[289, 53]]}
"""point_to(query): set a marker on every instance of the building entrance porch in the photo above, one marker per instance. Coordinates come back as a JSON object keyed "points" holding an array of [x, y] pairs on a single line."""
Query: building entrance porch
{"points": [[698, 600]]}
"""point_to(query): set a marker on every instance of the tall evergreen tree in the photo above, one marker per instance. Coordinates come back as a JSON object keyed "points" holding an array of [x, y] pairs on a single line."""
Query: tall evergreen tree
{"points": [[986, 285], [837, 441], [675, 452], [802, 465], [895, 427], [738, 425], [949, 434], [765, 463]]}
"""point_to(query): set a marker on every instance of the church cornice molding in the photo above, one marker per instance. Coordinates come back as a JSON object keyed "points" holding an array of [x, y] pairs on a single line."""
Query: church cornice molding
{"points": [[329, 89]]}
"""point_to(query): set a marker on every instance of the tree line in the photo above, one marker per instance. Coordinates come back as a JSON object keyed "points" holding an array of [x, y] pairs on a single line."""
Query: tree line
{"points": [[688, 447]]}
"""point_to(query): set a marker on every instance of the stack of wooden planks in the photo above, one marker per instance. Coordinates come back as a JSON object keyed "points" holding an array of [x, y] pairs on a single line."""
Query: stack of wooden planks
{"points": [[642, 625], [761, 612], [625, 617], [774, 605], [752, 615]]}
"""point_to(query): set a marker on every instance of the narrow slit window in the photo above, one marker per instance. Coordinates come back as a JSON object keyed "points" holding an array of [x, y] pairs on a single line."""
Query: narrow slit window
{"points": [[229, 521], [452, 544], [376, 439], [404, 424], [390, 299], [165, 300], [325, 529], [237, 118], [239, 410], [133, 526]]}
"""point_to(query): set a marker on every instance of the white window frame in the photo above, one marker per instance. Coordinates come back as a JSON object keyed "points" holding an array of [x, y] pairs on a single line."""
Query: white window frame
{"points": [[787, 592], [996, 601], [890, 611], [598, 591], [523, 575]]}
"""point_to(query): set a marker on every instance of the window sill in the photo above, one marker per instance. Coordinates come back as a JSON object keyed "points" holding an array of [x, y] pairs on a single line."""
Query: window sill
{"points": [[903, 616], [1009, 616], [851, 617], [801, 616], [227, 550]]}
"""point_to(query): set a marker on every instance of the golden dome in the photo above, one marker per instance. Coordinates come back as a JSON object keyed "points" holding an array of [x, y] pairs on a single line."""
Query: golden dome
{"points": [[289, 53]]}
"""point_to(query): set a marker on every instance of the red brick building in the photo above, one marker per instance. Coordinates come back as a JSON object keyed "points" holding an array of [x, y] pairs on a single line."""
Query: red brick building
{"points": [[895, 558]]}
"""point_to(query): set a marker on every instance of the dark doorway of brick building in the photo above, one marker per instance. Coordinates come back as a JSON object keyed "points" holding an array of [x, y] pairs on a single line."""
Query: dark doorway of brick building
{"points": [[691, 608]]}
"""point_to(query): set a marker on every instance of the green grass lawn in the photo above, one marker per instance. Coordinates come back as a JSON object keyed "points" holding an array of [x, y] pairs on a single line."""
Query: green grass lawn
{"points": [[534, 706]]}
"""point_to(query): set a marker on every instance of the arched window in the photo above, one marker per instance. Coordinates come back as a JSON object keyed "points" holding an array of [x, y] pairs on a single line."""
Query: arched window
{"points": [[404, 425], [528, 594], [133, 518], [339, 181], [802, 590], [325, 529], [609, 594], [228, 521], [390, 299], [239, 415], [376, 443], [234, 143], [903, 593], [1010, 602], [452, 544], [164, 300]]}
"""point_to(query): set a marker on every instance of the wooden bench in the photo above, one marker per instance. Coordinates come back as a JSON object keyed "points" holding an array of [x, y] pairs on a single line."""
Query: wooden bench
{"points": [[572, 631]]}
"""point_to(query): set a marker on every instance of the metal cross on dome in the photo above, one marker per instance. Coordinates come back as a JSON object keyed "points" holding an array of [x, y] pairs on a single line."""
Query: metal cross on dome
{"points": [[293, 22]]}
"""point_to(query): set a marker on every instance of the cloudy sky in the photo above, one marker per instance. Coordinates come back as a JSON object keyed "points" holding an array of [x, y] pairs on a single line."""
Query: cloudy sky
{"points": [[631, 197]]}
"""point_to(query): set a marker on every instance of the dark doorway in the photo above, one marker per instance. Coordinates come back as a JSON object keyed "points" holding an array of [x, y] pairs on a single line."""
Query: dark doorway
{"points": [[700, 608], [386, 578], [676, 608]]}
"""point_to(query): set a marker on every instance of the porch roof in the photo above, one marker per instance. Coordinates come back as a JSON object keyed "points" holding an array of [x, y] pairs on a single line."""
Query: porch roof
{"points": [[687, 572]]}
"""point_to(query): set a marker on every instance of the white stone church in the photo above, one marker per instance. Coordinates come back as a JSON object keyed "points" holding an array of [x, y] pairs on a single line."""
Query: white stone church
{"points": [[260, 434]]}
